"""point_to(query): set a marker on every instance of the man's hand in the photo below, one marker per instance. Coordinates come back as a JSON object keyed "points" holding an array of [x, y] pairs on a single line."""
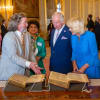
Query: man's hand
{"points": [[35, 68]]}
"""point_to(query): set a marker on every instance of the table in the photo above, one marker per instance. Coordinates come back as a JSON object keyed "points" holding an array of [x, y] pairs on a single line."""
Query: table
{"points": [[54, 95]]}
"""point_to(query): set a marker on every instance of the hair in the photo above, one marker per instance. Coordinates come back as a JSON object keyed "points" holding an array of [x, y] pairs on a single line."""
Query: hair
{"points": [[59, 14], [33, 22], [3, 21], [90, 16], [76, 22], [14, 21]]}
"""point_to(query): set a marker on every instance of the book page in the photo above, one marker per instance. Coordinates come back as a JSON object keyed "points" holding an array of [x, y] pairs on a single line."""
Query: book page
{"points": [[58, 79], [19, 80], [77, 77], [36, 78]]}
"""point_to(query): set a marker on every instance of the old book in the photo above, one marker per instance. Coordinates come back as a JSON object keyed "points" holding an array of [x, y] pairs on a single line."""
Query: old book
{"points": [[22, 81], [64, 80]]}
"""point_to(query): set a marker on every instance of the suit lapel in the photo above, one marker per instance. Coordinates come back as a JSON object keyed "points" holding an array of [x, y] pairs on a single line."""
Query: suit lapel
{"points": [[18, 40], [26, 42], [61, 34], [52, 37], [20, 44]]}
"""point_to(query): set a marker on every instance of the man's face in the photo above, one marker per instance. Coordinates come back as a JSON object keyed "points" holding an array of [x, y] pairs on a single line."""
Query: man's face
{"points": [[23, 24], [57, 22]]}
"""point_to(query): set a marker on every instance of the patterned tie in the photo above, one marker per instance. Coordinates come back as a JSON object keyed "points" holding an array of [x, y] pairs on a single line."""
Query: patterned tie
{"points": [[23, 44], [57, 34]]}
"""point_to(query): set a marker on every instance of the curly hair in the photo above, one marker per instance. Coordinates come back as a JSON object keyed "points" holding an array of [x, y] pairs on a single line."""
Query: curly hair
{"points": [[33, 22], [14, 21]]}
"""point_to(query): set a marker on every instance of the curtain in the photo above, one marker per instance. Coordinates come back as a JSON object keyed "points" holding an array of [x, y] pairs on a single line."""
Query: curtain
{"points": [[6, 9], [80, 8]]}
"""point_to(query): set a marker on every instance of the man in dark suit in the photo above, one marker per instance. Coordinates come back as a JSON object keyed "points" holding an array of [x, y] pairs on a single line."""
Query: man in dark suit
{"points": [[90, 24], [3, 28], [49, 29], [61, 51], [97, 32]]}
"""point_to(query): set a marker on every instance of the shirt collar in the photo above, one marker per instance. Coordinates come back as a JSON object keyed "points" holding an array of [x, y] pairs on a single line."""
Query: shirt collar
{"points": [[18, 33]]}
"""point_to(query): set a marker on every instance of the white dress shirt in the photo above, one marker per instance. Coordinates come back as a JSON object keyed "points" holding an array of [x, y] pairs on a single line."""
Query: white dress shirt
{"points": [[19, 34], [56, 34]]}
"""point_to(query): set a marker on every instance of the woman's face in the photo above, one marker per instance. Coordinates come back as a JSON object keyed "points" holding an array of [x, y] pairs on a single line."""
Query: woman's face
{"points": [[33, 29], [74, 29]]}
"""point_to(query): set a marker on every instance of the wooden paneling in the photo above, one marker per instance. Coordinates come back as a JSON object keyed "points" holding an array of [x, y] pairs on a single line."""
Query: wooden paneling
{"points": [[30, 7]]}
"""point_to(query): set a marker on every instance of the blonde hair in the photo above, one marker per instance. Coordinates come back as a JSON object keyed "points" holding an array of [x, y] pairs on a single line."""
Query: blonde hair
{"points": [[77, 24]]}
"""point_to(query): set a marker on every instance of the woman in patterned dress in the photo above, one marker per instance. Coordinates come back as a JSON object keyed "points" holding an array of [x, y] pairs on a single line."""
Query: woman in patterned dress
{"points": [[38, 44]]}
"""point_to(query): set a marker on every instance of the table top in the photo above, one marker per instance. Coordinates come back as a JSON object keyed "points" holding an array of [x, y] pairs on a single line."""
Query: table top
{"points": [[51, 95]]}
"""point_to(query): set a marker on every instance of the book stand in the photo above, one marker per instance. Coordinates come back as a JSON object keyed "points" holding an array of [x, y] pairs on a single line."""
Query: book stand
{"points": [[73, 87], [33, 87]]}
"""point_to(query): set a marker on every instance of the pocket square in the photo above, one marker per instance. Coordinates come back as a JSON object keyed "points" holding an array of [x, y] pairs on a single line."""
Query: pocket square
{"points": [[63, 38], [64, 30]]}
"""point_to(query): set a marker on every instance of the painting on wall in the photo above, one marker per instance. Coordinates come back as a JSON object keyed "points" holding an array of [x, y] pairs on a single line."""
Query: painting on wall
{"points": [[29, 7]]}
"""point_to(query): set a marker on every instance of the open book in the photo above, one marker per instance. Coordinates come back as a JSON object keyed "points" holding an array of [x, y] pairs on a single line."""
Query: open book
{"points": [[22, 81], [64, 80]]}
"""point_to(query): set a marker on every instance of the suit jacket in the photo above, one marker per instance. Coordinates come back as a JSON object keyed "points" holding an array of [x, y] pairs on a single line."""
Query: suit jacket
{"points": [[13, 60], [3, 30], [61, 52], [0, 40]]}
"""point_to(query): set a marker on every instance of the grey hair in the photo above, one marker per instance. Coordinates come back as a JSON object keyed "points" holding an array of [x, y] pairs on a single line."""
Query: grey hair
{"points": [[59, 14], [14, 21]]}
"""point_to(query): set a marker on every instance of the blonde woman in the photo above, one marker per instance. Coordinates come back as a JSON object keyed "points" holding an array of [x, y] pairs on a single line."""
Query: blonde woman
{"points": [[84, 49]]}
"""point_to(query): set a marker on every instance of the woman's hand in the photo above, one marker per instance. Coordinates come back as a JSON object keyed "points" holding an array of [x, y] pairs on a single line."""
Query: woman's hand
{"points": [[75, 68], [83, 68]]}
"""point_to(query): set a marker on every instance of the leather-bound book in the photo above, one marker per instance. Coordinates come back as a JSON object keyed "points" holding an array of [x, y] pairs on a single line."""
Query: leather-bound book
{"points": [[63, 81], [19, 82]]}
